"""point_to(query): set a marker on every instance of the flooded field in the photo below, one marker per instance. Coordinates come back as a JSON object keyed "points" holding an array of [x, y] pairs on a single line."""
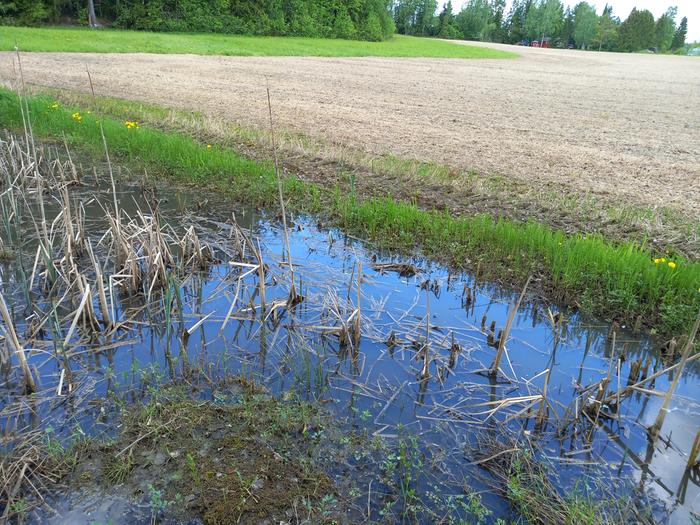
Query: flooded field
{"points": [[153, 320]]}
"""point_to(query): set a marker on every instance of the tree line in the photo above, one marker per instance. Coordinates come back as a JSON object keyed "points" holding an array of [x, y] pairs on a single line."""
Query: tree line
{"points": [[351, 19], [524, 22], [537, 20]]}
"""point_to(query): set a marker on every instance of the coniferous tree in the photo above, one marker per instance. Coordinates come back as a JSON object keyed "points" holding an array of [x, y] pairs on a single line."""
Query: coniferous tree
{"points": [[637, 32], [446, 22], [499, 33], [679, 37], [665, 29]]}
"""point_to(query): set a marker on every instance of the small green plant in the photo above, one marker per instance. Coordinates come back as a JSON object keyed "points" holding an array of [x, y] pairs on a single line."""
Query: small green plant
{"points": [[119, 469], [401, 470], [20, 507], [194, 471], [325, 506], [156, 503]]}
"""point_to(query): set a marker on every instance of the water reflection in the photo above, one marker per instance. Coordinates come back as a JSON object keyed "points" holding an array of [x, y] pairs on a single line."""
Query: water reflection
{"points": [[381, 381]]}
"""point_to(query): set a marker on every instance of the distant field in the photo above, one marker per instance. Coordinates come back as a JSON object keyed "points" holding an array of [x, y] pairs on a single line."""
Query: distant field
{"points": [[117, 41], [583, 141]]}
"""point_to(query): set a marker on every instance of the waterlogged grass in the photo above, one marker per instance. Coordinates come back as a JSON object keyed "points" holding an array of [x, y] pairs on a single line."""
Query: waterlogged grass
{"points": [[622, 281], [618, 280], [120, 41]]}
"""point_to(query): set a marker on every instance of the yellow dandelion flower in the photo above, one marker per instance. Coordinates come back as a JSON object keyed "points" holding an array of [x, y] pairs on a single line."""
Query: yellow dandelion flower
{"points": [[671, 264], [55, 105], [208, 146], [77, 117]]}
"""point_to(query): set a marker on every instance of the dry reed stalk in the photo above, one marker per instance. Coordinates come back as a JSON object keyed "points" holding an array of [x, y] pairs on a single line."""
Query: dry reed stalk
{"points": [[495, 367], [29, 132], [78, 313], [101, 293], [104, 143], [425, 372], [70, 248], [542, 413], [261, 278], [603, 389], [293, 298], [71, 165], [88, 317], [358, 316], [629, 389], [11, 336], [655, 429], [257, 253], [195, 254], [693, 459]]}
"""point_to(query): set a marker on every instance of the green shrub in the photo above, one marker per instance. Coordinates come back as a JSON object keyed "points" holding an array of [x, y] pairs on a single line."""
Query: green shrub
{"points": [[350, 19], [24, 12]]}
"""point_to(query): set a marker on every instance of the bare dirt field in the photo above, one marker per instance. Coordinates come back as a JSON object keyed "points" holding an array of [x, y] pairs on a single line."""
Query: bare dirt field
{"points": [[622, 128]]}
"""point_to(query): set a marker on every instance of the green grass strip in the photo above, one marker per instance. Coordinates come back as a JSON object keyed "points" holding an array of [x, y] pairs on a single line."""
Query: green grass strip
{"points": [[622, 281], [120, 41]]}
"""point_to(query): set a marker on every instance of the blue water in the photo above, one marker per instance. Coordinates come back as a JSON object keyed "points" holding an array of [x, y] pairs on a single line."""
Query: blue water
{"points": [[373, 386]]}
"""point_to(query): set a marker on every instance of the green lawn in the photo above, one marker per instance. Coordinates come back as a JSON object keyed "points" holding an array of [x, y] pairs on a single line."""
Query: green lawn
{"points": [[118, 41]]}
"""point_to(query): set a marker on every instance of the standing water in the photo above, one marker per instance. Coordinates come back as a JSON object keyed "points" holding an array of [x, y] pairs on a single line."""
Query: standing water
{"points": [[396, 353]]}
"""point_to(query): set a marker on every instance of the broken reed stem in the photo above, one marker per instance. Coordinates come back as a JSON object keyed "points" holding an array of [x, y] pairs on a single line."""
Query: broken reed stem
{"points": [[358, 316], [506, 331], [261, 280], [655, 429], [11, 336], [603, 389], [631, 388], [292, 291], [541, 413], [99, 284], [425, 372]]}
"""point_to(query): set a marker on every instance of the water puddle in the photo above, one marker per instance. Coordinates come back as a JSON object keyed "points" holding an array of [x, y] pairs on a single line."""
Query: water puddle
{"points": [[433, 424]]}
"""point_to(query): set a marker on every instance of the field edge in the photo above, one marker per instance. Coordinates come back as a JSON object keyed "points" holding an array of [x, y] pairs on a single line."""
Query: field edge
{"points": [[621, 281]]}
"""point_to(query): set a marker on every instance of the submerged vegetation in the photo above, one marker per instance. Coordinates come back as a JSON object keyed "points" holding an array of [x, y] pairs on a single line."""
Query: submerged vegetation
{"points": [[624, 281], [529, 484], [268, 463]]}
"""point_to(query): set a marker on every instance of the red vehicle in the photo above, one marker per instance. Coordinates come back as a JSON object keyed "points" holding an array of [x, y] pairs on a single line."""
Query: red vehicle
{"points": [[543, 42]]}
